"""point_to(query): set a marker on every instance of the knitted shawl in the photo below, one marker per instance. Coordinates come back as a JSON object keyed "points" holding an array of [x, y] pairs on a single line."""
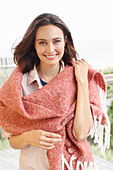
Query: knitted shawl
{"points": [[52, 109]]}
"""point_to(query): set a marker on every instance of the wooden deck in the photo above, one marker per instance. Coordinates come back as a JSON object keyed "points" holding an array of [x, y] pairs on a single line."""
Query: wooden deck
{"points": [[9, 160], [103, 164]]}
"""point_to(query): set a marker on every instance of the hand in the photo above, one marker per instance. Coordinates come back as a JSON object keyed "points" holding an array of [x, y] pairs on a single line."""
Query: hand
{"points": [[43, 139], [81, 70]]}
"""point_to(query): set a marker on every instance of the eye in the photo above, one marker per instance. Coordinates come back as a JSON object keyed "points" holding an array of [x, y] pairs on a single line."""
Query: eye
{"points": [[42, 43], [57, 41]]}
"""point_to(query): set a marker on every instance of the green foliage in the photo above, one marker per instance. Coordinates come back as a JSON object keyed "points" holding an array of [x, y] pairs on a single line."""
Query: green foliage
{"points": [[110, 91], [110, 114], [4, 144], [107, 70], [96, 151]]}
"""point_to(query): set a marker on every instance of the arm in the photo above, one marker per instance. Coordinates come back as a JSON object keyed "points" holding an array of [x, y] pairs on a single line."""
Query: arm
{"points": [[19, 142], [37, 138], [83, 118]]}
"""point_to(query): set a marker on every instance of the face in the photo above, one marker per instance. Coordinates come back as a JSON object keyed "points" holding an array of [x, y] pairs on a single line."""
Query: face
{"points": [[49, 44]]}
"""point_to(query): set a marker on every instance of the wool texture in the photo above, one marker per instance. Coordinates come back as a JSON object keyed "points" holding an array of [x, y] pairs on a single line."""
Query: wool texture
{"points": [[52, 109]]}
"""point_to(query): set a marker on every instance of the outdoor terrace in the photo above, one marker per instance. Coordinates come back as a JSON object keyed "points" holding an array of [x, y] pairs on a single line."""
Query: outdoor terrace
{"points": [[9, 159]]}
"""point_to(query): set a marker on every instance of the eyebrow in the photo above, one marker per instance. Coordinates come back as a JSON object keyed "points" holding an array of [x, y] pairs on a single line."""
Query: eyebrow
{"points": [[41, 39]]}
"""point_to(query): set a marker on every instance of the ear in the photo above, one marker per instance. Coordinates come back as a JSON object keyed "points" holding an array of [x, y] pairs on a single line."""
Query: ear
{"points": [[65, 38]]}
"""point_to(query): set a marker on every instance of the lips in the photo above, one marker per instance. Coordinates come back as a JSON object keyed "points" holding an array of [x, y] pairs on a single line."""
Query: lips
{"points": [[51, 57]]}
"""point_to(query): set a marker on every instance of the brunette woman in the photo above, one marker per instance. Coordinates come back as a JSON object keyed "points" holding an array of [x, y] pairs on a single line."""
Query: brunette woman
{"points": [[46, 58]]}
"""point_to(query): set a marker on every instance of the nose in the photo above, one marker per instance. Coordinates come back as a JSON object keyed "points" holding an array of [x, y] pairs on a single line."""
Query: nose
{"points": [[50, 48]]}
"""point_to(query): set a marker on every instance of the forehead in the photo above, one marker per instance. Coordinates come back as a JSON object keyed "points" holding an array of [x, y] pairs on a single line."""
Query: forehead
{"points": [[49, 31]]}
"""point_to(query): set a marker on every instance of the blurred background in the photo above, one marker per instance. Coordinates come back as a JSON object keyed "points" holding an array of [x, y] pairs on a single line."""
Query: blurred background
{"points": [[91, 25]]}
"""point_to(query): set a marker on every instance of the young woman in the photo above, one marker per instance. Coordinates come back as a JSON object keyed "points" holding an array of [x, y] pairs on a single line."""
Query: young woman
{"points": [[53, 107]]}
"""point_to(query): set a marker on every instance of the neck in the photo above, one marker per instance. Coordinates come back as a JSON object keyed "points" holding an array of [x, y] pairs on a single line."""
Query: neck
{"points": [[47, 72]]}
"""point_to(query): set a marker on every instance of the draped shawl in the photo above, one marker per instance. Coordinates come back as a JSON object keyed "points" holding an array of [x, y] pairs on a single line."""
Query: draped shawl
{"points": [[52, 109]]}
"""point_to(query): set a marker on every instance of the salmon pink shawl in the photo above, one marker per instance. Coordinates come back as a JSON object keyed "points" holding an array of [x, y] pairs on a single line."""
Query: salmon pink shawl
{"points": [[52, 109]]}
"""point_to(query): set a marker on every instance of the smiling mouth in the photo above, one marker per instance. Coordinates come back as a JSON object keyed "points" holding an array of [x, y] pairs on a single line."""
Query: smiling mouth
{"points": [[51, 57]]}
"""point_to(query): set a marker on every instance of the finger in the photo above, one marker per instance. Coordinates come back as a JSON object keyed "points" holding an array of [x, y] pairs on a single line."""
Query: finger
{"points": [[45, 144], [45, 147], [52, 135], [78, 62], [52, 140], [51, 147], [48, 148], [84, 60]]}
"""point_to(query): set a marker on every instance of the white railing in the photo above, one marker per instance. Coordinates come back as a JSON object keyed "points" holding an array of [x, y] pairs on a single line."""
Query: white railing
{"points": [[6, 62], [109, 78]]}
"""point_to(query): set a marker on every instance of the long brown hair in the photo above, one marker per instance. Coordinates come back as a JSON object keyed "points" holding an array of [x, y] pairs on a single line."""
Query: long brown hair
{"points": [[25, 55]]}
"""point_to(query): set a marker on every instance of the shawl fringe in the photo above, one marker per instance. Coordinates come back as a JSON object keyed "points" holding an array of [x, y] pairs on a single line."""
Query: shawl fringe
{"points": [[99, 131]]}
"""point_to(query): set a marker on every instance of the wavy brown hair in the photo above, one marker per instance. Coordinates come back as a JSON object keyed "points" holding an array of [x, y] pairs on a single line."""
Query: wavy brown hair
{"points": [[25, 55]]}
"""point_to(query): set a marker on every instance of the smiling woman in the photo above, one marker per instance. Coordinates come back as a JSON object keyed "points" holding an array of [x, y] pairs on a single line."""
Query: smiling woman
{"points": [[50, 49], [44, 33], [50, 124], [49, 46]]}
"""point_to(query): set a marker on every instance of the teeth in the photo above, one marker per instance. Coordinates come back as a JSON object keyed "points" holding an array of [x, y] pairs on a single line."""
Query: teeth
{"points": [[51, 56]]}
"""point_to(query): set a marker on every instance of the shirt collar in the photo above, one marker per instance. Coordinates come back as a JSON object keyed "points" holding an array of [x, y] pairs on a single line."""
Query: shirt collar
{"points": [[33, 75]]}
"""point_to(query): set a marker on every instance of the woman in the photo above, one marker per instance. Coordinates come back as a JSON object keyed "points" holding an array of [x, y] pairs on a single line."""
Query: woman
{"points": [[50, 124]]}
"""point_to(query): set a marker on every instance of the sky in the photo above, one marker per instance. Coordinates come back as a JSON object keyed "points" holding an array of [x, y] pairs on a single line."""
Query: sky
{"points": [[88, 20]]}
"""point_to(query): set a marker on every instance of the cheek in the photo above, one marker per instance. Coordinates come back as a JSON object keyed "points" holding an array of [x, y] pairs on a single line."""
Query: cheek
{"points": [[39, 50], [60, 49]]}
